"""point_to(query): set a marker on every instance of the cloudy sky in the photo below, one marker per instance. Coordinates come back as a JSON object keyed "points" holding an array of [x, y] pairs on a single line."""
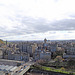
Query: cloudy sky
{"points": [[37, 19]]}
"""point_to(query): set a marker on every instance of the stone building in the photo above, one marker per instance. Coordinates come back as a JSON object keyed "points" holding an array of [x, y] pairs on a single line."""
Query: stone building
{"points": [[45, 55], [42, 54]]}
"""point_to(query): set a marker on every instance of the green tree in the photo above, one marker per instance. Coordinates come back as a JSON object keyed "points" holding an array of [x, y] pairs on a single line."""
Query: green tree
{"points": [[58, 60]]}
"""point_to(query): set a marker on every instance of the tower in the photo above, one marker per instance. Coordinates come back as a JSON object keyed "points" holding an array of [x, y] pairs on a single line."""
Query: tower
{"points": [[6, 42], [45, 40]]}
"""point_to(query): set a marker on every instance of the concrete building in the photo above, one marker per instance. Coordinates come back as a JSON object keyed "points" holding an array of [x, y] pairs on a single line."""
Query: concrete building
{"points": [[69, 52], [66, 56], [19, 57], [28, 47], [36, 55], [53, 47]]}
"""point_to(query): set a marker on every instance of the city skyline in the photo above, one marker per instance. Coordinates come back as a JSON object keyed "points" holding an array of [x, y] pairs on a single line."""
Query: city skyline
{"points": [[37, 19]]}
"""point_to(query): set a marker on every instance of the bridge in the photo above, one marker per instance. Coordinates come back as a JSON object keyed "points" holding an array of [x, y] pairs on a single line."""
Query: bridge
{"points": [[22, 69]]}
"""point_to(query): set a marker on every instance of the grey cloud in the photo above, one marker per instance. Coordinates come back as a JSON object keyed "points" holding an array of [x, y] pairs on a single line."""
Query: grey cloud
{"points": [[2, 36], [66, 24], [70, 32], [36, 25], [53, 32], [72, 15], [41, 25], [30, 25]]}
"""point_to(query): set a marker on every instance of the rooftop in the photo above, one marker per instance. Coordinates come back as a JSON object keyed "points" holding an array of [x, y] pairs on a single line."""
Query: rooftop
{"points": [[7, 68]]}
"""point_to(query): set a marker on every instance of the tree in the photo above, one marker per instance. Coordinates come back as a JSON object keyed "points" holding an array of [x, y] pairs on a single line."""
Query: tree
{"points": [[58, 60]]}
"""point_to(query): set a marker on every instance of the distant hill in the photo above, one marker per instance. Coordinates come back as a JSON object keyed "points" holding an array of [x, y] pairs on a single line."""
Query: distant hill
{"points": [[1, 41]]}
